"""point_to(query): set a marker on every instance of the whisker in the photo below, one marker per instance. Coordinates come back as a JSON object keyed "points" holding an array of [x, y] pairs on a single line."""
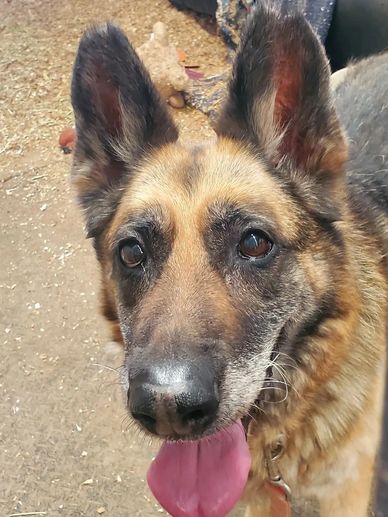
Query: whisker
{"points": [[279, 370], [273, 361], [290, 384], [116, 370], [258, 408]]}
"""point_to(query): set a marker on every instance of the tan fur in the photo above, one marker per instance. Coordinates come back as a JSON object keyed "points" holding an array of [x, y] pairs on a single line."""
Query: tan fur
{"points": [[332, 435], [228, 172]]}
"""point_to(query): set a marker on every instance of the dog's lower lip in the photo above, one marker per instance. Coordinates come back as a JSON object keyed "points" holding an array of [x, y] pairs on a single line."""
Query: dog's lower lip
{"points": [[189, 438]]}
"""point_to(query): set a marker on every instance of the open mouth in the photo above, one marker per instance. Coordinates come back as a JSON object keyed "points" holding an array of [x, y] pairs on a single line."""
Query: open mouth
{"points": [[203, 478]]}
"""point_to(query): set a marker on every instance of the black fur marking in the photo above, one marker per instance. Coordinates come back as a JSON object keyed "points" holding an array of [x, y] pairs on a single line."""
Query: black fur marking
{"points": [[191, 172], [151, 224], [326, 309], [100, 206], [232, 221], [149, 227]]}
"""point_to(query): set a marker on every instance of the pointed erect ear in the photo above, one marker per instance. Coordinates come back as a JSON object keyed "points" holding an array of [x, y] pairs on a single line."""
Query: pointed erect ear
{"points": [[279, 95], [119, 116]]}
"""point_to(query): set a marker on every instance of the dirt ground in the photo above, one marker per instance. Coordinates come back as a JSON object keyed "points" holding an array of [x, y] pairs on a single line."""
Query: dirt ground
{"points": [[65, 444]]}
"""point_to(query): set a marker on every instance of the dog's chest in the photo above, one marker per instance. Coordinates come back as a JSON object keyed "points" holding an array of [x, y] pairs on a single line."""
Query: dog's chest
{"points": [[312, 477]]}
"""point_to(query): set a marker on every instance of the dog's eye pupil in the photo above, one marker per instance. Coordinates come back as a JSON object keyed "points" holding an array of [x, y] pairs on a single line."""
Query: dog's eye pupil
{"points": [[254, 244], [131, 253]]}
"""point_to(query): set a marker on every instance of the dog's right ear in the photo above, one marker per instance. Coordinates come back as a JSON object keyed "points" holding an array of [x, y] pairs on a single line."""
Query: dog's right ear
{"points": [[119, 116]]}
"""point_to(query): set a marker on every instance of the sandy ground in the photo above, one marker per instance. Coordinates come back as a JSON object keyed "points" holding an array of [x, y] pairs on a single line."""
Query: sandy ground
{"points": [[65, 447]]}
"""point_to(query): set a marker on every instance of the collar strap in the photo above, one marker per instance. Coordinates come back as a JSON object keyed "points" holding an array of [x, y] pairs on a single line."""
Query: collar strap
{"points": [[280, 503], [278, 490]]}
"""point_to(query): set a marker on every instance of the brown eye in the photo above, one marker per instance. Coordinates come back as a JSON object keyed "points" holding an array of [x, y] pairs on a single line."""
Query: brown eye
{"points": [[131, 253], [255, 245]]}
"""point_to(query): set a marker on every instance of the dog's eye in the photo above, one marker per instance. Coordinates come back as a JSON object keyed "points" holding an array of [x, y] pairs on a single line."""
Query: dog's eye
{"points": [[255, 245], [131, 253]]}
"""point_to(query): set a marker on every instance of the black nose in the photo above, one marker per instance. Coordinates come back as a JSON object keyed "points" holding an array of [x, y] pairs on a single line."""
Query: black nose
{"points": [[175, 399]]}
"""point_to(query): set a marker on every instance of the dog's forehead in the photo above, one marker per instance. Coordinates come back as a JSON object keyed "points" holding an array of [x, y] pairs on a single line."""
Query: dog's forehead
{"points": [[186, 180]]}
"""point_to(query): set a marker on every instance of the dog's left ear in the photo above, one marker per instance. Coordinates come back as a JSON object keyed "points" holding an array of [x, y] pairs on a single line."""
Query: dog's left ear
{"points": [[119, 117], [279, 95]]}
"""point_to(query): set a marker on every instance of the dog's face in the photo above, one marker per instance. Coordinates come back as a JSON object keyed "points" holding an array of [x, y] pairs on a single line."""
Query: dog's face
{"points": [[219, 258]]}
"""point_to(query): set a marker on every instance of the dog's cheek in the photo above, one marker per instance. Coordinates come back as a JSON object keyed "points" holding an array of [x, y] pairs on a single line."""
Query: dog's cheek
{"points": [[264, 325], [242, 383]]}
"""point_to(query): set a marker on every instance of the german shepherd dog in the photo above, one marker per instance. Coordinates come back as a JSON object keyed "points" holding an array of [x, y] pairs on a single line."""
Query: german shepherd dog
{"points": [[246, 277]]}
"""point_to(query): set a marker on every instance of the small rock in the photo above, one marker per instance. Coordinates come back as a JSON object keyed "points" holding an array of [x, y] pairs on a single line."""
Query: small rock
{"points": [[176, 101]]}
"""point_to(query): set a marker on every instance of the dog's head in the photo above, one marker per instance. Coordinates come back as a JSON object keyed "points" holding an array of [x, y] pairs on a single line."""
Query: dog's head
{"points": [[219, 258]]}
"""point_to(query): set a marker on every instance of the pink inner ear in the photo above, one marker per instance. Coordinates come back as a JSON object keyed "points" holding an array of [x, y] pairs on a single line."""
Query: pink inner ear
{"points": [[106, 99], [288, 83]]}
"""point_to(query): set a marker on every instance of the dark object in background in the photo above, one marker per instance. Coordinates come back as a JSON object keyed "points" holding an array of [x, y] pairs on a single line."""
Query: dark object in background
{"points": [[350, 29], [318, 12], [208, 7], [359, 28], [207, 94], [230, 12]]}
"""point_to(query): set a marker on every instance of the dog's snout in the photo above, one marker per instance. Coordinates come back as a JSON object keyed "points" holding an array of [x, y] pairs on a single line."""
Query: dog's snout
{"points": [[175, 399]]}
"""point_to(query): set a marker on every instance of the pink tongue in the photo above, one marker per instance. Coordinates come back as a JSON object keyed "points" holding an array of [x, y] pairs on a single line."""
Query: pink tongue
{"points": [[204, 478]]}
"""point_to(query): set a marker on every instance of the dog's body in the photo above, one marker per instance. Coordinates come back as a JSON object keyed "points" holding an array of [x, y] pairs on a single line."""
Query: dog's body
{"points": [[339, 472], [260, 257]]}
